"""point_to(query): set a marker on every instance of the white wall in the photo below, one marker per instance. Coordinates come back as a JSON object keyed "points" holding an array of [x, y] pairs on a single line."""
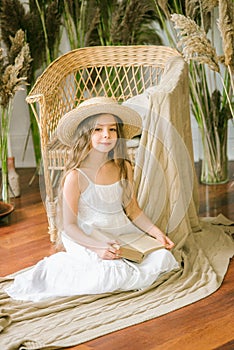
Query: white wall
{"points": [[20, 126]]}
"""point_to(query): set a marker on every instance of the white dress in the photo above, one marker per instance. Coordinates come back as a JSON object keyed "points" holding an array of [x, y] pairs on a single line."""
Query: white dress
{"points": [[79, 270]]}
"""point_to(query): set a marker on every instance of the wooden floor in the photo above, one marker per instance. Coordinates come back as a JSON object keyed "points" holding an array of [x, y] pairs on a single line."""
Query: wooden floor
{"points": [[206, 324]]}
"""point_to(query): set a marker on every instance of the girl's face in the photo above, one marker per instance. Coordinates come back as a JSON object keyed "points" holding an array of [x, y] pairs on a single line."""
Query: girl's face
{"points": [[104, 135]]}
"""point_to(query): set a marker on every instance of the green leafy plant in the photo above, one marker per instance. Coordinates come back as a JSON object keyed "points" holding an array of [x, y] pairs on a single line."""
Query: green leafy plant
{"points": [[80, 18], [105, 22], [128, 22]]}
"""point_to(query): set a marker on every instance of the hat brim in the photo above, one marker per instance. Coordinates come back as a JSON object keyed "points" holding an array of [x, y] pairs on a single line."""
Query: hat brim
{"points": [[68, 124]]}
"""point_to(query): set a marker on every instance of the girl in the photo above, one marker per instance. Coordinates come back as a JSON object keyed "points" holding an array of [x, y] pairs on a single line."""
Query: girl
{"points": [[97, 194]]}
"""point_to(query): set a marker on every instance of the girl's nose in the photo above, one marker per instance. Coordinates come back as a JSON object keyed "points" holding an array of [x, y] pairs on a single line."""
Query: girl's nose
{"points": [[106, 133]]}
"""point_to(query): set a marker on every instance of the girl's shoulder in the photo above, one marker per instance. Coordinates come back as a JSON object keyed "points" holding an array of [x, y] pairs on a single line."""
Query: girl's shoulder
{"points": [[76, 179], [71, 177], [76, 175], [71, 173]]}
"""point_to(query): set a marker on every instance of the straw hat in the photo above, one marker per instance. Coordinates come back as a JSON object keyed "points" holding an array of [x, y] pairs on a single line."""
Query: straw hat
{"points": [[67, 126]]}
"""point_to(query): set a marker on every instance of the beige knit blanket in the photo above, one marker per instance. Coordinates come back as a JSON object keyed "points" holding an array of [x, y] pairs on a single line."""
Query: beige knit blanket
{"points": [[167, 190]]}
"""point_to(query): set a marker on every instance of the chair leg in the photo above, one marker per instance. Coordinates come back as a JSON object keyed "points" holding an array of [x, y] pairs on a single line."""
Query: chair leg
{"points": [[51, 215]]}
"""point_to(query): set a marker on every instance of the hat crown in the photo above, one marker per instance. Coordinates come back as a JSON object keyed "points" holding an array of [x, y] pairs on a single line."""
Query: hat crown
{"points": [[98, 100]]}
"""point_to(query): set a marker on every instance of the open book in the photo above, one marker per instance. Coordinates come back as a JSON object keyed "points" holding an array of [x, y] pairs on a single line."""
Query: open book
{"points": [[133, 246]]}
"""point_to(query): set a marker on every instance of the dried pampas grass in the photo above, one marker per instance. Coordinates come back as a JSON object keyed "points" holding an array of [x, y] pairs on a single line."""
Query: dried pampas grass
{"points": [[200, 11], [203, 6], [14, 68], [194, 42], [226, 28], [130, 20]]}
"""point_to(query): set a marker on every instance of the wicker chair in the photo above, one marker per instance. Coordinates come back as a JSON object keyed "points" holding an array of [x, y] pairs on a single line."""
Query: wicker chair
{"points": [[117, 71]]}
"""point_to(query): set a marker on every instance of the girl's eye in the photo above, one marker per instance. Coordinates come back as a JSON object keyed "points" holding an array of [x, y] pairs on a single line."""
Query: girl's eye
{"points": [[113, 129], [97, 129]]}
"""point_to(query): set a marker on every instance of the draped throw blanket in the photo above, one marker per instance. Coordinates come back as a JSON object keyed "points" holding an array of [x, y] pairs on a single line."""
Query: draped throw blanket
{"points": [[167, 190]]}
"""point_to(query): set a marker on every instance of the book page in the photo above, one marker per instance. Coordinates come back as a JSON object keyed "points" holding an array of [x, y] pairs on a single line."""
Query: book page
{"points": [[141, 242]]}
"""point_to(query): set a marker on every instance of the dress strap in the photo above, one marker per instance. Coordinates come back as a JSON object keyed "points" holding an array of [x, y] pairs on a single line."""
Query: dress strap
{"points": [[84, 174]]}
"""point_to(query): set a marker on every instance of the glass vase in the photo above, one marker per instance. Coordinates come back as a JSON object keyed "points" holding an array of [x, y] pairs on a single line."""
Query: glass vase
{"points": [[214, 164], [5, 193]]}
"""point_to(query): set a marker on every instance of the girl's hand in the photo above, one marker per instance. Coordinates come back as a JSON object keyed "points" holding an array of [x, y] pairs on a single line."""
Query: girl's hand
{"points": [[109, 251], [160, 236]]}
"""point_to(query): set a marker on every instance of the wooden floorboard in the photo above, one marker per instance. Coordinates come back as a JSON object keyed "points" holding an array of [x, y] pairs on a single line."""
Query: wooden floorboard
{"points": [[204, 325]]}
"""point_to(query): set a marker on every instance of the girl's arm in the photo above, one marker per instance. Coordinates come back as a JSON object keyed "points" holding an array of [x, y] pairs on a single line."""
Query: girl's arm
{"points": [[71, 195], [139, 218]]}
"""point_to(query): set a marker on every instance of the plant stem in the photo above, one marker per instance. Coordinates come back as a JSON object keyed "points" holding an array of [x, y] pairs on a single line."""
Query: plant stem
{"points": [[5, 197], [69, 25], [42, 17], [227, 96], [5, 126]]}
